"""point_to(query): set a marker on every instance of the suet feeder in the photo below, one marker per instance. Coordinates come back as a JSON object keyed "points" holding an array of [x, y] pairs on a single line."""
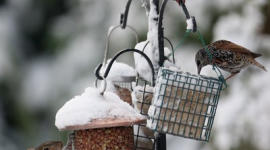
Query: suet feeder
{"points": [[184, 104], [111, 130]]}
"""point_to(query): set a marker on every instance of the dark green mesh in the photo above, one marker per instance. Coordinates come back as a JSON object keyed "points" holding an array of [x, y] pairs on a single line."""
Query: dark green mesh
{"points": [[184, 104]]}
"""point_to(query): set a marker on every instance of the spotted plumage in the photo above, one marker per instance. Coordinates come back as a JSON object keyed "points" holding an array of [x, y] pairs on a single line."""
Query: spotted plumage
{"points": [[227, 56]]}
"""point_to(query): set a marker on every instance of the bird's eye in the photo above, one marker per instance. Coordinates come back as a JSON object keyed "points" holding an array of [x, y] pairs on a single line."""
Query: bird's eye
{"points": [[46, 148], [198, 63]]}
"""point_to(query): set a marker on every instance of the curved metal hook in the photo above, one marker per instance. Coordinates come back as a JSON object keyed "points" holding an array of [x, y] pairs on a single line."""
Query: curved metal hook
{"points": [[160, 34], [116, 56], [170, 45], [97, 69], [108, 40], [171, 48], [194, 24], [123, 16], [103, 88], [184, 9], [145, 46], [182, 3]]}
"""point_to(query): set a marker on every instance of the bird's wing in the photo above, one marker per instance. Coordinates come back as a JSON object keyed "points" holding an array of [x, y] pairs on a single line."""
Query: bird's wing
{"points": [[229, 46]]}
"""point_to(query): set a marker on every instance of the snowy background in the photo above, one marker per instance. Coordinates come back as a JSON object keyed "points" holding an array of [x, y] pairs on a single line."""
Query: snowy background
{"points": [[49, 49]]}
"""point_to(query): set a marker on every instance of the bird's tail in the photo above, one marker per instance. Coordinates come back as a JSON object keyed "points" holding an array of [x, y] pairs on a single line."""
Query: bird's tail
{"points": [[258, 65]]}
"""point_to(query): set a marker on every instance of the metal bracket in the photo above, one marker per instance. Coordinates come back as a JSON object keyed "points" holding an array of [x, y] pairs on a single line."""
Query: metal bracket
{"points": [[124, 16], [182, 3], [97, 70]]}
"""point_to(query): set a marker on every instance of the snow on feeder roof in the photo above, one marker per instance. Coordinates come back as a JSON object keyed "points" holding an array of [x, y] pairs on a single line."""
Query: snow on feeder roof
{"points": [[93, 110]]}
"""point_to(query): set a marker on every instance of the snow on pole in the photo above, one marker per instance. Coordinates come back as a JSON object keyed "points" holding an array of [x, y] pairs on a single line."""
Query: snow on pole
{"points": [[146, 5], [152, 35]]}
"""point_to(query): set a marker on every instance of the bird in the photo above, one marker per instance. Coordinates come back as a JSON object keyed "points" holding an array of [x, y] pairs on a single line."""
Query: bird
{"points": [[70, 142], [49, 145], [227, 56]]}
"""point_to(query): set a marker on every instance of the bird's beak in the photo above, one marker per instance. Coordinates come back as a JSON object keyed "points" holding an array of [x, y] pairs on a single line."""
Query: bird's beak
{"points": [[199, 69]]}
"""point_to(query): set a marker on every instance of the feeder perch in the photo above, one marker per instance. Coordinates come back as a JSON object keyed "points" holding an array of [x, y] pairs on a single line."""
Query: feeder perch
{"points": [[184, 104], [99, 121]]}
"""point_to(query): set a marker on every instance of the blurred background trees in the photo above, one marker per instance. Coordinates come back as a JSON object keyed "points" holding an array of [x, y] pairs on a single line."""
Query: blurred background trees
{"points": [[49, 49]]}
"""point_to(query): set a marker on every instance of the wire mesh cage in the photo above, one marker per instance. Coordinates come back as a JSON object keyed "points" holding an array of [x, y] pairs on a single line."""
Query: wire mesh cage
{"points": [[124, 88], [126, 82], [184, 104], [142, 95]]}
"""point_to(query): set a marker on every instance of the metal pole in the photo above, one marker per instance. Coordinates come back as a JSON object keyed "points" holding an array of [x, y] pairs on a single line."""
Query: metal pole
{"points": [[161, 139]]}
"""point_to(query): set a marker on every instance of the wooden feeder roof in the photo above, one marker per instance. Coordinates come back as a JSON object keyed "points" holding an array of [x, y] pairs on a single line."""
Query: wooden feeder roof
{"points": [[106, 123]]}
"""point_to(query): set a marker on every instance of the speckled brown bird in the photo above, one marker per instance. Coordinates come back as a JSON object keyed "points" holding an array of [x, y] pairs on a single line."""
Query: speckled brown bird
{"points": [[50, 145], [227, 56]]}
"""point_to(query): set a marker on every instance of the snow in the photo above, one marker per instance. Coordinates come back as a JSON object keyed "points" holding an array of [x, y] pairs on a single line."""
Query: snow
{"points": [[118, 71], [152, 34], [151, 50], [141, 65], [146, 5], [141, 93], [92, 105], [189, 24]]}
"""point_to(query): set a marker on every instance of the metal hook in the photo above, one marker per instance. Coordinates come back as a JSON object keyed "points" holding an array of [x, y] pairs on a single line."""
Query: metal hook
{"points": [[97, 70], [170, 45], [194, 24], [104, 86], [108, 40], [182, 3], [124, 16]]}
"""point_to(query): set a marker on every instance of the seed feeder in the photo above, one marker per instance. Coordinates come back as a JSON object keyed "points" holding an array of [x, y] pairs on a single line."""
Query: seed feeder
{"points": [[122, 83], [148, 145], [100, 120]]}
